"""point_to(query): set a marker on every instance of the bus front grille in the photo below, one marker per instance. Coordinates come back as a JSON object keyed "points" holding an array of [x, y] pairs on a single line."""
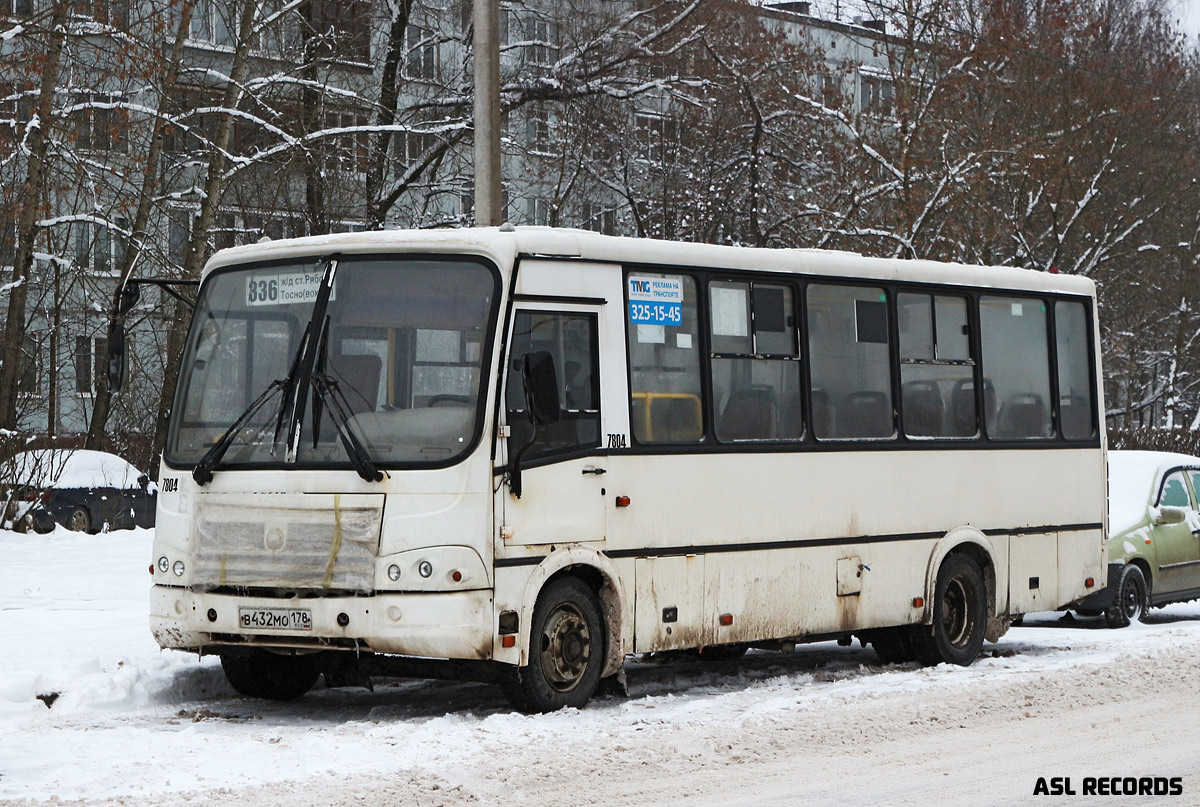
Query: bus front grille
{"points": [[287, 541]]}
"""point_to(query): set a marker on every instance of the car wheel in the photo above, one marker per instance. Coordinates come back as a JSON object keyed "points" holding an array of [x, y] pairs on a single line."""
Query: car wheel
{"points": [[260, 674], [1130, 601], [79, 520], [959, 615], [566, 651]]}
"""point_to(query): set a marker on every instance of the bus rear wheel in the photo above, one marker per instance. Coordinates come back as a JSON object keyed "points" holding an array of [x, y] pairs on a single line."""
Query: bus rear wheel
{"points": [[566, 651], [261, 674], [959, 615]]}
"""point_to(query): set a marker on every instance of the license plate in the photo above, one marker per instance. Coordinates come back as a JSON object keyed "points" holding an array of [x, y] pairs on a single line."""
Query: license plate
{"points": [[276, 618]]}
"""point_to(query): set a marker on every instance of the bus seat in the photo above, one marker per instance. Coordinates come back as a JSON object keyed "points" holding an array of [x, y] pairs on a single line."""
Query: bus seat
{"points": [[867, 414], [923, 408], [675, 418], [822, 414], [1023, 415], [962, 406], [748, 416]]}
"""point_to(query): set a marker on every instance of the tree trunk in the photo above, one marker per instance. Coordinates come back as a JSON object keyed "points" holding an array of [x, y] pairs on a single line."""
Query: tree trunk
{"points": [[214, 188], [27, 226], [102, 404]]}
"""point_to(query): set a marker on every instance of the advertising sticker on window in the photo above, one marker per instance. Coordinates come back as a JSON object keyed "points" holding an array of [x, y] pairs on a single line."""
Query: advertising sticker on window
{"points": [[656, 301]]}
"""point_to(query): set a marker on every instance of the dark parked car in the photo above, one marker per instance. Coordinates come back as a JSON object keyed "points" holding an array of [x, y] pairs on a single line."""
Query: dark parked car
{"points": [[85, 491]]}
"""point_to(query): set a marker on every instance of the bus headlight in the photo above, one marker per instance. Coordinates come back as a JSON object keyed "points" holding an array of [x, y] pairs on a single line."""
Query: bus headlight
{"points": [[393, 573], [178, 568], [164, 565], [425, 569]]}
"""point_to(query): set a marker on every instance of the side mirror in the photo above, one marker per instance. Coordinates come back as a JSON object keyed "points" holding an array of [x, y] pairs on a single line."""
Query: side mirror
{"points": [[1170, 515], [541, 387], [143, 482], [116, 356], [127, 298]]}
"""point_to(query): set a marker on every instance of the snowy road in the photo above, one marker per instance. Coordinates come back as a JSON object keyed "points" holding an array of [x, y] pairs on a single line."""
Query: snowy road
{"points": [[821, 726]]}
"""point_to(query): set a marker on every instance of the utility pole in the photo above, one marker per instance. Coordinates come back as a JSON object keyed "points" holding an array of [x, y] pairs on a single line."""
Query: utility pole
{"points": [[486, 45]]}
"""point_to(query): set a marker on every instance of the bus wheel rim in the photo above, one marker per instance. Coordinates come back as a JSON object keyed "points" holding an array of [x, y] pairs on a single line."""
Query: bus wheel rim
{"points": [[566, 647], [956, 612]]}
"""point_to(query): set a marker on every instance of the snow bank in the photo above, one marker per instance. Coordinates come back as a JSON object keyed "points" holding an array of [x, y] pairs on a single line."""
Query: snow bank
{"points": [[60, 468]]}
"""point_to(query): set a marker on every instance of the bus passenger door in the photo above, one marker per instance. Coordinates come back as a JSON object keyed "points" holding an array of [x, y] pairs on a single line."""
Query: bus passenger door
{"points": [[563, 469]]}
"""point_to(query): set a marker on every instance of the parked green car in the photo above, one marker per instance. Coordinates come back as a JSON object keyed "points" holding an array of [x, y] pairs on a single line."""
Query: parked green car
{"points": [[1154, 535]]}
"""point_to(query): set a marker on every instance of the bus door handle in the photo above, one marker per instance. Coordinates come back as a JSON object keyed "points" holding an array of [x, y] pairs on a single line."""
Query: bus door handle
{"points": [[596, 471]]}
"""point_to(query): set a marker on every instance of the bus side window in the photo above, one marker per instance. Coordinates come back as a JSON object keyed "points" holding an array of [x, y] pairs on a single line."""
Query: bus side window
{"points": [[937, 375], [754, 364], [571, 341], [1016, 360], [851, 366], [1074, 373], [664, 370]]}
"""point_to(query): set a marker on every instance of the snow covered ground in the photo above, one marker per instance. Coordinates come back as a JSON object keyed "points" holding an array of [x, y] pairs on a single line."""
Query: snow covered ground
{"points": [[128, 724]]}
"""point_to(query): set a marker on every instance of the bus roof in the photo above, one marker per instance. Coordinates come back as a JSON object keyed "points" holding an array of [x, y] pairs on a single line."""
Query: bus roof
{"points": [[507, 243]]}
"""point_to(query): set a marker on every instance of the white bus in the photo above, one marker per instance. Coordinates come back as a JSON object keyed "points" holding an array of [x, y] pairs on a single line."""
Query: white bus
{"points": [[528, 453]]}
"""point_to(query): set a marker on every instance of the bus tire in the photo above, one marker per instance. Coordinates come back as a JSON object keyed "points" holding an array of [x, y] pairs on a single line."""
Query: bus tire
{"points": [[566, 652], [959, 615], [1130, 600], [260, 674]]}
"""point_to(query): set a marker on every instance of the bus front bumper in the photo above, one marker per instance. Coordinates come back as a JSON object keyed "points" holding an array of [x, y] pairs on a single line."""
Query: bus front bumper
{"points": [[453, 625]]}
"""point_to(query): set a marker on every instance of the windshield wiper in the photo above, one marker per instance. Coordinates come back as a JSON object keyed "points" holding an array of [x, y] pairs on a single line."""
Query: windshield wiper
{"points": [[203, 472], [327, 392]]}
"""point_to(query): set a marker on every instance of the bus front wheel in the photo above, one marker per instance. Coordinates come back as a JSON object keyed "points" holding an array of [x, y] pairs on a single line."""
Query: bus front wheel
{"points": [[261, 674], [566, 651], [959, 615]]}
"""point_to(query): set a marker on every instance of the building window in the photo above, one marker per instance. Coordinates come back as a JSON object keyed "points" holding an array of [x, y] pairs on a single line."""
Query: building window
{"points": [[876, 96], [541, 51], [98, 124], [350, 144], [539, 212], [96, 248], [421, 62], [213, 22], [179, 228], [106, 12], [346, 27], [91, 363], [599, 219], [658, 138], [27, 371], [539, 127], [16, 8]]}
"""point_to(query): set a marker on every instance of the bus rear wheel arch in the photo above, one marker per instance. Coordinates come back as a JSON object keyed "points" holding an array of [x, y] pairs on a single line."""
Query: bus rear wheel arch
{"points": [[567, 646], [960, 614]]}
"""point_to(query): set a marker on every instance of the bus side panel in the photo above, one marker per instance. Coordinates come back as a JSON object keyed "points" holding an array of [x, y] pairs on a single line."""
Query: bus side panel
{"points": [[1033, 568]]}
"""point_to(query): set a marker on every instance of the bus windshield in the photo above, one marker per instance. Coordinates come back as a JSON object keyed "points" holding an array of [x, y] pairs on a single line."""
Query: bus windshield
{"points": [[403, 346]]}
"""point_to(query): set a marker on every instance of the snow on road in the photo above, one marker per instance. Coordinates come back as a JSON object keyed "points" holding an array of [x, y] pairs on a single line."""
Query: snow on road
{"points": [[128, 724]]}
